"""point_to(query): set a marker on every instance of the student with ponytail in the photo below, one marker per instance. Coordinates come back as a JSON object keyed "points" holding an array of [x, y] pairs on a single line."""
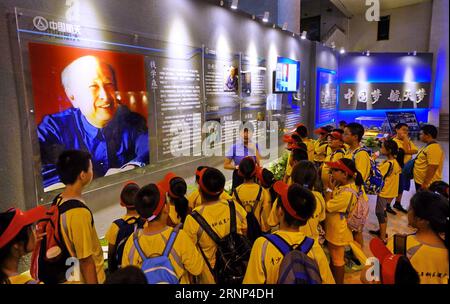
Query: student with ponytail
{"points": [[427, 249], [340, 199], [178, 203]]}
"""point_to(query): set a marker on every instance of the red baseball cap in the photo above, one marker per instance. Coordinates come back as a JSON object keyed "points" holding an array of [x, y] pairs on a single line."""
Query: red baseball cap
{"points": [[296, 126], [282, 189], [165, 183], [339, 165], [321, 130], [336, 135], [388, 260], [21, 219]]}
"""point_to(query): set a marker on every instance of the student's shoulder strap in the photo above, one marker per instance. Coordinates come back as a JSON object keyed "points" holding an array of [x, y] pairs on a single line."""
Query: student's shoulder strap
{"points": [[237, 196], [359, 150], [258, 197], [120, 222], [279, 243], [389, 171], [306, 245], [400, 244], [73, 204], [233, 225], [205, 226], [137, 246], [171, 241]]}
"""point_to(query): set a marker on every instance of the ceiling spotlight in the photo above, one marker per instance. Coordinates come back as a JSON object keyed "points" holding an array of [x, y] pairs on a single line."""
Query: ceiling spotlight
{"points": [[234, 4], [368, 53], [303, 35], [221, 2], [415, 53], [285, 26], [342, 50], [333, 45], [266, 17]]}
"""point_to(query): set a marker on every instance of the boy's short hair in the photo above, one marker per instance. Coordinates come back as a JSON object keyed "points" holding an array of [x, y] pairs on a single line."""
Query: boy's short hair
{"points": [[356, 129], [71, 163], [429, 130], [440, 187], [214, 181], [146, 201], [299, 154], [400, 125], [302, 131], [127, 275], [128, 194], [342, 122]]}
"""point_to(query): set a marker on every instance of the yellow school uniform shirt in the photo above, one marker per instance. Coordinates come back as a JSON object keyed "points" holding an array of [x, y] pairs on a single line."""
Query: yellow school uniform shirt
{"points": [[331, 157], [336, 230], [309, 147], [346, 147], [111, 234], [82, 239], [311, 228], [23, 278], [259, 272], [247, 194], [431, 263], [413, 147], [321, 150], [428, 155], [195, 199], [390, 188], [362, 162], [218, 217], [184, 256]]}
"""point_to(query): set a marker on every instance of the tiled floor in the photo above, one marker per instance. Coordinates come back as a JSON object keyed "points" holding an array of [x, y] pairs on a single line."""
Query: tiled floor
{"points": [[396, 224]]}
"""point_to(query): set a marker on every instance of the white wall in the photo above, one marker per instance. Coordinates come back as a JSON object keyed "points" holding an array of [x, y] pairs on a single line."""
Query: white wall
{"points": [[409, 30]]}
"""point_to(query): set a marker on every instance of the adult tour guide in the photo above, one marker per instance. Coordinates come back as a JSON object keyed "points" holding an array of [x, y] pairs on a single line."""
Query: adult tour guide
{"points": [[237, 152]]}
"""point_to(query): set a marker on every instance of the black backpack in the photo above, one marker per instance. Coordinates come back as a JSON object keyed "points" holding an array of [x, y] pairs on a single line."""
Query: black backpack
{"points": [[233, 250], [53, 271], [253, 227], [401, 157], [126, 228]]}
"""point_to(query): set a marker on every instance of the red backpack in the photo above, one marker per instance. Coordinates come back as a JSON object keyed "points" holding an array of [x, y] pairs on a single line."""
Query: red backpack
{"points": [[48, 262]]}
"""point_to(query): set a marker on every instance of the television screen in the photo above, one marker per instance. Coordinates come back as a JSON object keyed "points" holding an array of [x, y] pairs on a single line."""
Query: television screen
{"points": [[286, 76]]}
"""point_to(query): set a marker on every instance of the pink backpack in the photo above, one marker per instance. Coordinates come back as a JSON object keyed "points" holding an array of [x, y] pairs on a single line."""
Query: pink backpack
{"points": [[358, 216]]}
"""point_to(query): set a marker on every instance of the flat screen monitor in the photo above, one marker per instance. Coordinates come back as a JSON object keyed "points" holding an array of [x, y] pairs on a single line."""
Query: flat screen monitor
{"points": [[287, 76]]}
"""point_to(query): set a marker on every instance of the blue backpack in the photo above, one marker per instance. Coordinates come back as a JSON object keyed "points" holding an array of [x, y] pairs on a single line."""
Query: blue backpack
{"points": [[375, 183], [296, 267], [158, 269]]}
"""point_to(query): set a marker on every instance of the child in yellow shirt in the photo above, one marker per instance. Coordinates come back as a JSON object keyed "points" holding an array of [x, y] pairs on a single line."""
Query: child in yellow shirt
{"points": [[302, 130], [427, 249], [296, 205], [195, 198], [336, 144], [178, 203], [17, 239], [305, 174], [321, 145], [216, 213], [254, 198], [158, 239], [390, 170], [340, 202], [126, 225]]}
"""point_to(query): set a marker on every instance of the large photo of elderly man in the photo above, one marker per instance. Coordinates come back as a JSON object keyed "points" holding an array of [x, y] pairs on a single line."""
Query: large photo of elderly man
{"points": [[90, 100]]}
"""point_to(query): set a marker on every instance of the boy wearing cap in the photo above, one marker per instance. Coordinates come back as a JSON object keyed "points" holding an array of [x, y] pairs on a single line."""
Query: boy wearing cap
{"points": [[295, 206], [75, 170], [336, 144], [151, 204], [17, 238], [216, 212], [195, 199], [127, 196]]}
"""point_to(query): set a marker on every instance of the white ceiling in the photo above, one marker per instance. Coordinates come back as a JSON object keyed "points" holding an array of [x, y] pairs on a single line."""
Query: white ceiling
{"points": [[358, 7]]}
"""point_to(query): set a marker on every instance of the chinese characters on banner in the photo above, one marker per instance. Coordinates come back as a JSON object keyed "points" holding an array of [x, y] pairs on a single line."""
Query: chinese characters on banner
{"points": [[367, 96]]}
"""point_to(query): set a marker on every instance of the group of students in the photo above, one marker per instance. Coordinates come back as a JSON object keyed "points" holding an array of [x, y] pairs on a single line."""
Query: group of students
{"points": [[263, 232]]}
